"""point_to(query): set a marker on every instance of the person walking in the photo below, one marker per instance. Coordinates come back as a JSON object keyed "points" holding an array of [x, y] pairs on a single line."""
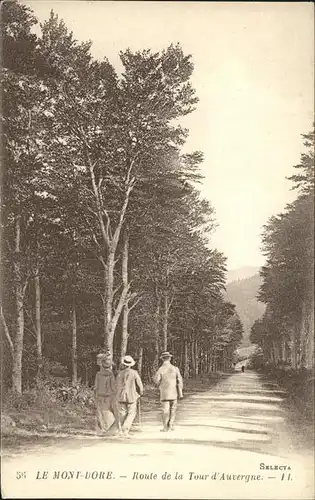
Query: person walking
{"points": [[170, 383], [129, 389], [105, 396]]}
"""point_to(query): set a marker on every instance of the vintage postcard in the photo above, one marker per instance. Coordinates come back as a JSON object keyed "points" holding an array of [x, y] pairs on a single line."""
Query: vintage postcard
{"points": [[157, 258]]}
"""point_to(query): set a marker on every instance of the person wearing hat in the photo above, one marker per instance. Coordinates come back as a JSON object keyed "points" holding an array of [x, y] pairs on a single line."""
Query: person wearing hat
{"points": [[105, 395], [170, 383], [107, 355], [129, 389]]}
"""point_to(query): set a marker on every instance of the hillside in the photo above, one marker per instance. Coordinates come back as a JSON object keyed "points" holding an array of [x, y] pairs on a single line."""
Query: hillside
{"points": [[243, 294], [242, 273]]}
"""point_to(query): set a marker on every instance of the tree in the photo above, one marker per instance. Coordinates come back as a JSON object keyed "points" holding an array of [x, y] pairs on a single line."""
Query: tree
{"points": [[24, 106], [116, 142], [287, 289], [107, 238]]}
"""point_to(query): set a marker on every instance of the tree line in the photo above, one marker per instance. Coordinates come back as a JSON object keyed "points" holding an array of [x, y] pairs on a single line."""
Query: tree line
{"points": [[285, 334], [105, 235]]}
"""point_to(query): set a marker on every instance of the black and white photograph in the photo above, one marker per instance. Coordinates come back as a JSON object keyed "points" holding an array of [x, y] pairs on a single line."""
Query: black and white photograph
{"points": [[157, 250]]}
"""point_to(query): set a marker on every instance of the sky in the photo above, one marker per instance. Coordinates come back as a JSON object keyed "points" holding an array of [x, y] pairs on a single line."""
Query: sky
{"points": [[254, 76]]}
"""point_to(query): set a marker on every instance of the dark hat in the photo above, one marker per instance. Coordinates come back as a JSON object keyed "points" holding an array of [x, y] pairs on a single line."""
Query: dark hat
{"points": [[104, 357], [166, 355], [106, 362]]}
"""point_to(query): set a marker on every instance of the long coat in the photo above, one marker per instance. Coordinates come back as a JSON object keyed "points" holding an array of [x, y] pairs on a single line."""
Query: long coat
{"points": [[128, 381], [105, 384], [169, 381]]}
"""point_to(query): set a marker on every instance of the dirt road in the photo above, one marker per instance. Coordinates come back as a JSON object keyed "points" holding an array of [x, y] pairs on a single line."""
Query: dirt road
{"points": [[232, 441]]}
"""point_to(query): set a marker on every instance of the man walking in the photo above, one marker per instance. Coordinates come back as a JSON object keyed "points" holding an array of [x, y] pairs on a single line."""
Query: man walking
{"points": [[170, 383], [129, 389], [105, 395]]}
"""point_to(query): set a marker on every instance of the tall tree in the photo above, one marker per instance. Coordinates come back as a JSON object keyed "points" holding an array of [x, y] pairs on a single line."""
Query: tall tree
{"points": [[287, 287], [24, 106]]}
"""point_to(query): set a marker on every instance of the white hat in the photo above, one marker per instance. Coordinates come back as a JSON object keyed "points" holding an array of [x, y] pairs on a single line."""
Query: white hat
{"points": [[128, 361], [166, 355]]}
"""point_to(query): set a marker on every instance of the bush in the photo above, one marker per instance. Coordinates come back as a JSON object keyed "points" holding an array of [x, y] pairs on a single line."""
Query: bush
{"points": [[79, 395], [35, 397], [45, 407], [7, 424]]}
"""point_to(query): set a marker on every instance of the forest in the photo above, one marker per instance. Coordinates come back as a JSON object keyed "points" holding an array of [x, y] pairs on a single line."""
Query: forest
{"points": [[285, 334], [106, 239]]}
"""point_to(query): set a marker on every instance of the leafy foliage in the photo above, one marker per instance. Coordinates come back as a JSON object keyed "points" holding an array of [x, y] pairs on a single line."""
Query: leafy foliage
{"points": [[93, 160], [288, 276]]}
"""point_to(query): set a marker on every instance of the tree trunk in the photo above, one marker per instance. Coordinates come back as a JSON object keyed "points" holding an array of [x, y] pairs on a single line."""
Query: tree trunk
{"points": [[74, 351], [196, 358], [214, 360], [271, 354], [110, 237], [38, 324], [18, 343], [276, 354], [19, 300], [165, 321], [125, 311], [307, 332], [140, 360], [124, 331], [310, 338], [193, 358], [111, 314], [215, 363], [283, 350], [86, 374], [293, 348], [209, 360], [108, 302], [309, 323], [201, 361], [186, 361], [157, 334]]}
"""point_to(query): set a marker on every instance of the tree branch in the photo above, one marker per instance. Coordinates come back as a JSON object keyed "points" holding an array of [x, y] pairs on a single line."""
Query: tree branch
{"points": [[31, 318], [116, 289], [9, 246], [89, 250], [31, 332], [96, 195], [118, 309], [170, 302], [122, 213], [25, 287], [135, 303], [101, 259]]}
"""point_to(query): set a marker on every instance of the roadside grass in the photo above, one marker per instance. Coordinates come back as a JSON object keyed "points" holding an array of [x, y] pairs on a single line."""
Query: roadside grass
{"points": [[299, 385], [40, 415], [299, 402]]}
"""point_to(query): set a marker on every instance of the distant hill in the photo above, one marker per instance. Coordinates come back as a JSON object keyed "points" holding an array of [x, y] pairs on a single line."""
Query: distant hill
{"points": [[242, 273], [243, 293]]}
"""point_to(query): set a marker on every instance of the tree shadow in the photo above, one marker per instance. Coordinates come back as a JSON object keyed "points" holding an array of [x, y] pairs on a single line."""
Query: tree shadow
{"points": [[238, 400], [252, 446], [225, 427]]}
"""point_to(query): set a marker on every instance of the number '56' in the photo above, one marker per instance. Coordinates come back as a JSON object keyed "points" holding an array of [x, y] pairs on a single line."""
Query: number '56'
{"points": [[20, 475]]}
